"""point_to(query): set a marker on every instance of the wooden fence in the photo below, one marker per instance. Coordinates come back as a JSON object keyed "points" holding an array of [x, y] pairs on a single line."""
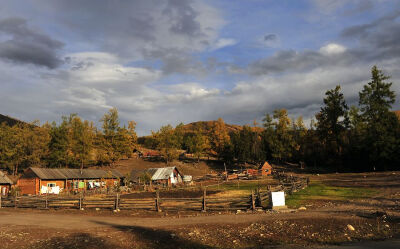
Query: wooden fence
{"points": [[204, 203], [259, 198]]}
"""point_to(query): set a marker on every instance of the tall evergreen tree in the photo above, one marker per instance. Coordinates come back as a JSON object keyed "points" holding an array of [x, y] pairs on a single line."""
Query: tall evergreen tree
{"points": [[333, 121], [382, 126]]}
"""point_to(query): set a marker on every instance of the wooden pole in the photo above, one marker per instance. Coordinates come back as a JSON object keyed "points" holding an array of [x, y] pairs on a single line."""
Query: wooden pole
{"points": [[158, 208], [47, 204], [117, 202], [226, 173], [80, 201], [0, 199], [204, 206], [253, 201]]}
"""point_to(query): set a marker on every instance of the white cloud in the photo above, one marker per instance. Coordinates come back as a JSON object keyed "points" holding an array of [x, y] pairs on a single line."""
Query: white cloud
{"points": [[224, 42], [332, 48]]}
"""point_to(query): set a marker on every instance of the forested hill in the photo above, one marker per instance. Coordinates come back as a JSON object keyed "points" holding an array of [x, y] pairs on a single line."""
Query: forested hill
{"points": [[397, 113], [9, 121], [207, 126]]}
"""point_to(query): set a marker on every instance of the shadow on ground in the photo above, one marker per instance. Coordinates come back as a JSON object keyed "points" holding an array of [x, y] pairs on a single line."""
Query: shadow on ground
{"points": [[76, 240], [155, 238]]}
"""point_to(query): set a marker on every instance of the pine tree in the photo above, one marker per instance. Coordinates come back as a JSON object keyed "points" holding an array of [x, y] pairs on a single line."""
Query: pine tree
{"points": [[382, 126], [333, 121]]}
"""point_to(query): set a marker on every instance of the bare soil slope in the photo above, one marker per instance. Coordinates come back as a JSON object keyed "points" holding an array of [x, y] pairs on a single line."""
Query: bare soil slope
{"points": [[192, 168]]}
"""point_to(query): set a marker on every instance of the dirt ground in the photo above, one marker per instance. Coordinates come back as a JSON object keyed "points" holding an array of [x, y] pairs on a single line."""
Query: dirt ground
{"points": [[324, 223]]}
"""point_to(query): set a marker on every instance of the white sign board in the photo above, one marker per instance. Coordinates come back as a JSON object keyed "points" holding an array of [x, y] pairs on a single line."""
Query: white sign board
{"points": [[278, 199]]}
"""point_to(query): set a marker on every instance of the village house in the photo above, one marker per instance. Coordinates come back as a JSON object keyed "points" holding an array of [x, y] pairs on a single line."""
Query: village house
{"points": [[5, 184], [36, 181], [163, 176], [265, 169]]}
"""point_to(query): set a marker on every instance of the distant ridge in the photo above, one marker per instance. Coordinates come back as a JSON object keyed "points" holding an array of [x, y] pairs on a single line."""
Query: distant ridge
{"points": [[207, 126], [9, 121], [397, 113]]}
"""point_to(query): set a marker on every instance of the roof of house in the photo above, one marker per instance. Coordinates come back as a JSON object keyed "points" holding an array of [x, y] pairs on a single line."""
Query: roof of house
{"points": [[4, 179], [266, 164], [155, 173], [46, 173]]}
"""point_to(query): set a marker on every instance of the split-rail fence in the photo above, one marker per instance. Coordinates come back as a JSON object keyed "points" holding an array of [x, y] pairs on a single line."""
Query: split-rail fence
{"points": [[259, 198]]}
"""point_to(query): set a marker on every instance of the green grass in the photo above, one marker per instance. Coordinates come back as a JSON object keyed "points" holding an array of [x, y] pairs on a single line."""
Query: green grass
{"points": [[243, 185], [320, 191]]}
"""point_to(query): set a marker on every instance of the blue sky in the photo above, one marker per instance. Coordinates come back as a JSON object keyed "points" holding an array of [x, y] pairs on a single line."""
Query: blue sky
{"points": [[182, 61]]}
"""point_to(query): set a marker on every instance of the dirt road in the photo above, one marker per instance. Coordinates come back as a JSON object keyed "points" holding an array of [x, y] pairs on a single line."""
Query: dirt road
{"points": [[66, 221], [54, 229]]}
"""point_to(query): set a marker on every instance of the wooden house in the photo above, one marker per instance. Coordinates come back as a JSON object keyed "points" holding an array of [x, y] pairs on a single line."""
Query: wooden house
{"points": [[163, 176], [5, 184], [38, 181], [265, 169]]}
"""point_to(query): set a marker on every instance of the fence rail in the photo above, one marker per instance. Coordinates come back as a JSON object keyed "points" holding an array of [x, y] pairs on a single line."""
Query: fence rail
{"points": [[259, 198]]}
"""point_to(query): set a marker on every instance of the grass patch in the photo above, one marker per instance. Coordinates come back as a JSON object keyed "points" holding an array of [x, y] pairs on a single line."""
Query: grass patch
{"points": [[320, 191], [245, 186]]}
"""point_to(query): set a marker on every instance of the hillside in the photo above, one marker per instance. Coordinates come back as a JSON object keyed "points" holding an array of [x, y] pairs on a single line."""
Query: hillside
{"points": [[207, 126], [8, 120], [196, 169], [397, 113]]}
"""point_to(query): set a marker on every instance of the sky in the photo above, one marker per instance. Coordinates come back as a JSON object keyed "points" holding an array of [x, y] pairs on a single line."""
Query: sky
{"points": [[172, 61]]}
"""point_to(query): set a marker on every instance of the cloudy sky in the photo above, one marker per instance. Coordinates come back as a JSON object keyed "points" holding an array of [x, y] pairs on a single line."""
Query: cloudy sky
{"points": [[165, 62]]}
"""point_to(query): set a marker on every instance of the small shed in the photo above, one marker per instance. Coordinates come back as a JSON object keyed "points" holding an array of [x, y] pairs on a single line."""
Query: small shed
{"points": [[265, 169], [37, 181], [5, 184], [166, 176]]}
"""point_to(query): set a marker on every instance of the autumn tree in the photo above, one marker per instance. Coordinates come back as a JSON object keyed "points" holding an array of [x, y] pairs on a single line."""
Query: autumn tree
{"points": [[283, 144], [23, 145], [197, 142], [168, 142], [82, 136], [110, 143], [299, 136], [219, 137]]}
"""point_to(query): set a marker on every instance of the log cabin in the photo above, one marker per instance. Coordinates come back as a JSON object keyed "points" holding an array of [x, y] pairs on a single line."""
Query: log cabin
{"points": [[5, 184], [167, 176], [37, 181]]}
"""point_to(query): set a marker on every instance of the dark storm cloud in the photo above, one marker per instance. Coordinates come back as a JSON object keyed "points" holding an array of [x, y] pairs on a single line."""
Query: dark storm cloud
{"points": [[290, 60], [270, 37], [183, 18], [141, 29], [379, 38], [26, 45]]}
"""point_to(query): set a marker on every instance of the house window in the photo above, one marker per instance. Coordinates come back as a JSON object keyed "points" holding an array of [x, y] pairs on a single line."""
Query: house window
{"points": [[51, 185]]}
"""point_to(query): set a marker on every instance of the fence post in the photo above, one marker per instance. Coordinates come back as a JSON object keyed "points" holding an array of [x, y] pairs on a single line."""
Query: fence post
{"points": [[204, 206], [80, 201], [116, 202], [47, 203], [0, 200], [158, 208], [253, 201], [15, 200]]}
